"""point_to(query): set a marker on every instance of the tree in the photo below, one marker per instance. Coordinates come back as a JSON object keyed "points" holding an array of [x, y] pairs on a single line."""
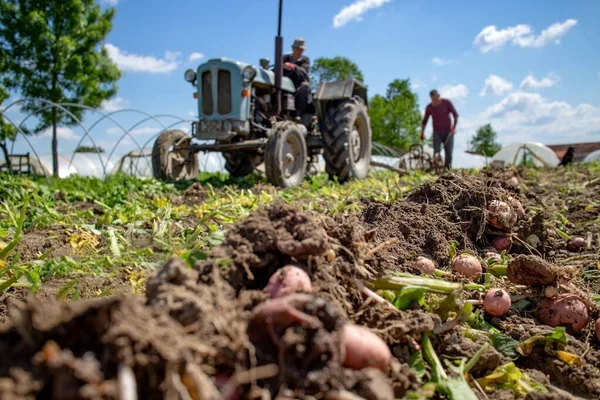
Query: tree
{"points": [[53, 50], [484, 142], [395, 117], [334, 69], [89, 149]]}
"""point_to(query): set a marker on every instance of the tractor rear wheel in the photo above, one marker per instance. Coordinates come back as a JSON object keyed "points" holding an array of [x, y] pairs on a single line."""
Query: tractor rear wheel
{"points": [[169, 165], [239, 164], [347, 144], [286, 155]]}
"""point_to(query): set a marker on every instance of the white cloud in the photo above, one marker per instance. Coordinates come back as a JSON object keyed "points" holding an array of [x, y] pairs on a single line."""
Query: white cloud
{"points": [[496, 86], [137, 63], [111, 105], [354, 11], [530, 82], [441, 61], [196, 56], [110, 3], [135, 132], [454, 92], [416, 83], [61, 133], [523, 116], [490, 38]]}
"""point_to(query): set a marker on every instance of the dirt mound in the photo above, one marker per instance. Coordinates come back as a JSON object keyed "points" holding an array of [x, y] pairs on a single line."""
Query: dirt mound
{"points": [[416, 229]]}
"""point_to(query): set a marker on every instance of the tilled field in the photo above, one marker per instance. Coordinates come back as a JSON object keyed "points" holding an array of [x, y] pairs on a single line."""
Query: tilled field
{"points": [[374, 320]]}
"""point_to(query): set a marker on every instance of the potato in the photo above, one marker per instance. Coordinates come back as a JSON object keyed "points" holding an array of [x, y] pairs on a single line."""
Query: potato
{"points": [[502, 243], [517, 207], [568, 310], [364, 349], [496, 302], [468, 266], [493, 254], [597, 329], [531, 270], [281, 312], [502, 215], [575, 245], [287, 280], [425, 265]]}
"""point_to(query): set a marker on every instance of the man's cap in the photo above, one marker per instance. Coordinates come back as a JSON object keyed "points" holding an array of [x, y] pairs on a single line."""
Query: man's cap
{"points": [[299, 42], [434, 92]]}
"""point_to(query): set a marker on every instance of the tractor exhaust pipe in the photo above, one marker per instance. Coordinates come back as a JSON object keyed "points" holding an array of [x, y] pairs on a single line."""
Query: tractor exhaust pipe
{"points": [[278, 62]]}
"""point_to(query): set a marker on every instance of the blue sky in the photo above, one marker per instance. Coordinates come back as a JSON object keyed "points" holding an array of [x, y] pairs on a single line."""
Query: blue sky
{"points": [[531, 68]]}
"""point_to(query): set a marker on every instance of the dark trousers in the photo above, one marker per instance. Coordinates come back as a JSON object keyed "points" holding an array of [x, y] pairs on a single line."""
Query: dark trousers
{"points": [[446, 139], [301, 98]]}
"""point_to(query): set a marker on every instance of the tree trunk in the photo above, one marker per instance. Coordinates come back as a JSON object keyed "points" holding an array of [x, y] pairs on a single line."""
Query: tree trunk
{"points": [[5, 151], [54, 149], [54, 140]]}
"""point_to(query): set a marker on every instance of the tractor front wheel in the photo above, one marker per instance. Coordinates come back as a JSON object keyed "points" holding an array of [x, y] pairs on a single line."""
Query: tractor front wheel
{"points": [[173, 165], [347, 145], [286, 155]]}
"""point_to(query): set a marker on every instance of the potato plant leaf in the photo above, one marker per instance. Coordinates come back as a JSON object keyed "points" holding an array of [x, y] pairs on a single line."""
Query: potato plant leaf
{"points": [[407, 295], [509, 377]]}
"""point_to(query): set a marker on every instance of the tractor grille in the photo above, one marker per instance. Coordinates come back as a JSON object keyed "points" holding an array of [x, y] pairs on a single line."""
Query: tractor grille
{"points": [[207, 98], [224, 92]]}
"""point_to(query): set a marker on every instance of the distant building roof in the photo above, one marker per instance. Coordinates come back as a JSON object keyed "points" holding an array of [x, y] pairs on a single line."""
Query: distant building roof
{"points": [[581, 149]]}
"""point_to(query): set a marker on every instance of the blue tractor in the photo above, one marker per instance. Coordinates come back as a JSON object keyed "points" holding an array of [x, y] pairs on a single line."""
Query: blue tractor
{"points": [[247, 113]]}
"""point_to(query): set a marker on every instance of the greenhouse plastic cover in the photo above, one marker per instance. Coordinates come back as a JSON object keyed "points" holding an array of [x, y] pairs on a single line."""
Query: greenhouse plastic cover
{"points": [[515, 154], [592, 157], [83, 164]]}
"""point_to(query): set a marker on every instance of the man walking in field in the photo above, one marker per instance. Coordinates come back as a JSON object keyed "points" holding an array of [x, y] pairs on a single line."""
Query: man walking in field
{"points": [[443, 130]]}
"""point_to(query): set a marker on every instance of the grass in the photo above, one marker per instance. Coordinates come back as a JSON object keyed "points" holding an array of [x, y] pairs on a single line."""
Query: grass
{"points": [[128, 226]]}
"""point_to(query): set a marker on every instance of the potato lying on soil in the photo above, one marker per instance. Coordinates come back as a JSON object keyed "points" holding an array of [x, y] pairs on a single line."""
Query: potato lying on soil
{"points": [[597, 329], [468, 266], [531, 270], [502, 243], [502, 215], [363, 348], [287, 280], [425, 265], [576, 244], [517, 207], [493, 254], [568, 310], [496, 302]]}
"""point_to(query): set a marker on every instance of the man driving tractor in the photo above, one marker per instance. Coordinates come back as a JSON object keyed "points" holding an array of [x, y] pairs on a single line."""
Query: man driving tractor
{"points": [[296, 66], [443, 131]]}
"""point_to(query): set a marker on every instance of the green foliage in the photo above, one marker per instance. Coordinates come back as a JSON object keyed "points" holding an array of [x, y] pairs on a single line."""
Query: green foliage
{"points": [[53, 50], [395, 118], [334, 69], [89, 149], [484, 141]]}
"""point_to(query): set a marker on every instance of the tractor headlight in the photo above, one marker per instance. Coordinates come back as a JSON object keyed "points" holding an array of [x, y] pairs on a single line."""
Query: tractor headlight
{"points": [[190, 75], [249, 73]]}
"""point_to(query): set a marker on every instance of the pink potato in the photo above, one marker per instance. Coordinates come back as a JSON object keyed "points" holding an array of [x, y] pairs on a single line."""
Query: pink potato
{"points": [[287, 280], [496, 302], [502, 215], [517, 207], [576, 244], [502, 243], [425, 265], [568, 310], [468, 266], [363, 348], [493, 254], [597, 329]]}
